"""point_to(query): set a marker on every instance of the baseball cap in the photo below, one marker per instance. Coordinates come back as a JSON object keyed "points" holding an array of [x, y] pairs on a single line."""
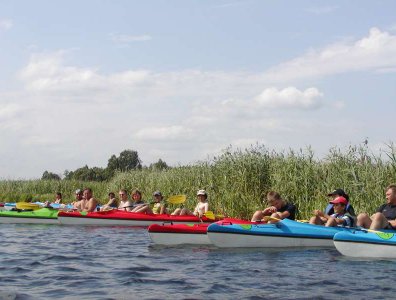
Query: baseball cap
{"points": [[339, 200], [337, 192], [157, 193]]}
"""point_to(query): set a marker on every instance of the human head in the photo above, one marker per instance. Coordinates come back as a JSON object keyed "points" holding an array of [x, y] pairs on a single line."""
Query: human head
{"points": [[58, 195], [87, 193], [390, 194], [202, 194], [123, 194], [157, 196], [274, 199], [136, 195], [79, 194], [339, 204], [338, 192], [111, 195]]}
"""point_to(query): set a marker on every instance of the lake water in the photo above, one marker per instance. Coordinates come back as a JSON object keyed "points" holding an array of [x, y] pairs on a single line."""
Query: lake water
{"points": [[50, 261]]}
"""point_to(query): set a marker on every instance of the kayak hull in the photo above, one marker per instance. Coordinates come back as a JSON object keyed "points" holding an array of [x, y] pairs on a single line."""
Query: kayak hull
{"points": [[122, 218], [178, 234], [39, 216], [286, 233], [366, 244]]}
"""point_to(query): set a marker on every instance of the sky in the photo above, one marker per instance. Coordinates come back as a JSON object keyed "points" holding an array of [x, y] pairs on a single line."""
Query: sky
{"points": [[182, 80]]}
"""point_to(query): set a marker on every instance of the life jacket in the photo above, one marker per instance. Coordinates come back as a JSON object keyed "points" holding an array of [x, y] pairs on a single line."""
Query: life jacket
{"points": [[349, 211]]}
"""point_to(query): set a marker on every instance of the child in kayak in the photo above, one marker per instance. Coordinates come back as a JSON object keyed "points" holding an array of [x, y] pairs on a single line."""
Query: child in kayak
{"points": [[340, 217], [279, 209], [200, 209], [112, 204]]}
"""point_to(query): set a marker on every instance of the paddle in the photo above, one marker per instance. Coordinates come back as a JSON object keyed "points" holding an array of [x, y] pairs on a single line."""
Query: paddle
{"points": [[27, 205], [211, 216], [177, 199], [269, 218]]}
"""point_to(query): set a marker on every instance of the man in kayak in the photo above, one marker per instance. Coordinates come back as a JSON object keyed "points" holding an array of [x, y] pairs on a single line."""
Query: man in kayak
{"points": [[278, 209], [385, 217], [90, 202], [78, 203], [125, 203], [340, 217]]}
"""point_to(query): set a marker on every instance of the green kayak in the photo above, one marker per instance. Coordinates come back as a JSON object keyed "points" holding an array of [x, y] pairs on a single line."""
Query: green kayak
{"points": [[38, 216]]}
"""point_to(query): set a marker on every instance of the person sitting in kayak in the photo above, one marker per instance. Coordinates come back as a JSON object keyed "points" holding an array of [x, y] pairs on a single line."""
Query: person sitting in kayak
{"points": [[385, 217], [340, 217], [90, 202], [125, 203], [278, 209], [200, 209], [159, 206], [329, 210], [112, 204], [138, 204]]}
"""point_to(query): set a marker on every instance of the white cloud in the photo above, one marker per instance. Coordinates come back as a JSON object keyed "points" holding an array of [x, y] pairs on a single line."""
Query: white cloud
{"points": [[5, 24], [290, 97], [163, 133], [126, 39], [376, 51]]}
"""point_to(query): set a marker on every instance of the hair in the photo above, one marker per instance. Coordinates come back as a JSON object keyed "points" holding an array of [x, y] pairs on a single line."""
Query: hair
{"points": [[391, 187], [124, 191], [88, 189], [273, 196], [111, 194], [136, 191], [59, 194]]}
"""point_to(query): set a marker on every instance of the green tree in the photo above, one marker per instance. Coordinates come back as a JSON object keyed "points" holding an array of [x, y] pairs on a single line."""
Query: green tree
{"points": [[50, 176], [128, 160], [159, 165]]}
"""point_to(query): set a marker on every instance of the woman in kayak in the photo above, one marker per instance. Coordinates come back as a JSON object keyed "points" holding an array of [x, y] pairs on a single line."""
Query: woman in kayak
{"points": [[138, 204], [159, 207], [125, 203], [112, 204], [278, 209], [200, 209], [340, 217]]}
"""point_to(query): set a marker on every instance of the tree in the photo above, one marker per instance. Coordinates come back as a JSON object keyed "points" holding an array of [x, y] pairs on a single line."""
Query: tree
{"points": [[50, 176], [159, 165], [128, 160]]}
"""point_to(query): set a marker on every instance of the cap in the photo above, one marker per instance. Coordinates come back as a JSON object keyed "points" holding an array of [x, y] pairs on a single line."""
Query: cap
{"points": [[202, 192], [78, 191], [337, 192], [339, 200], [157, 193]]}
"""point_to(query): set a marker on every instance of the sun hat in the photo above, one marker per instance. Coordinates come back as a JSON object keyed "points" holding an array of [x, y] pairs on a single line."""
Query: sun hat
{"points": [[202, 192], [340, 199]]}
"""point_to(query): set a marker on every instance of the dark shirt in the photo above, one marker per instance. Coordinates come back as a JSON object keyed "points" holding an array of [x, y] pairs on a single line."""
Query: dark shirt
{"points": [[389, 211], [291, 208]]}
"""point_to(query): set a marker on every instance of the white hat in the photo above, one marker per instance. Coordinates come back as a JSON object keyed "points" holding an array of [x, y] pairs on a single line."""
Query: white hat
{"points": [[202, 192]]}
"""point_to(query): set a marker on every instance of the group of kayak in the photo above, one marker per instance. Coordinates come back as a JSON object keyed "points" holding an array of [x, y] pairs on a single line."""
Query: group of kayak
{"points": [[273, 227]]}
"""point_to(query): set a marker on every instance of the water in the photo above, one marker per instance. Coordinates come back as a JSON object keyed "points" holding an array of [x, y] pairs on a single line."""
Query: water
{"points": [[50, 261]]}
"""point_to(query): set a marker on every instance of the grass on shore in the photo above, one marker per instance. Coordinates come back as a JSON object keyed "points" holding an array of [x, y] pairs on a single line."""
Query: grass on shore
{"points": [[236, 181]]}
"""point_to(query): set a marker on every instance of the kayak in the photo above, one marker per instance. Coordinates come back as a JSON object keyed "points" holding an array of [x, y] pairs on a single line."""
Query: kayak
{"points": [[286, 233], [360, 243], [38, 216], [11, 205], [119, 217], [177, 234]]}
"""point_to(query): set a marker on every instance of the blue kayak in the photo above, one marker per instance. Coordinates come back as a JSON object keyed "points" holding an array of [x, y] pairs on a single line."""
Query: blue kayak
{"points": [[286, 233], [361, 243]]}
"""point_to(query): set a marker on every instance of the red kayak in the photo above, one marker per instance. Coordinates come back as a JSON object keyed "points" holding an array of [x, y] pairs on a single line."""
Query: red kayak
{"points": [[119, 217], [177, 234]]}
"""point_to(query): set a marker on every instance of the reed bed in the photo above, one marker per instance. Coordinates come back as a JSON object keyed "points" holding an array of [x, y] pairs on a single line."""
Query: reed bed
{"points": [[237, 180]]}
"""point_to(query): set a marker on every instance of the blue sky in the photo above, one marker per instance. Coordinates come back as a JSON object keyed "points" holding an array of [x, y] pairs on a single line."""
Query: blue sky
{"points": [[182, 80]]}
